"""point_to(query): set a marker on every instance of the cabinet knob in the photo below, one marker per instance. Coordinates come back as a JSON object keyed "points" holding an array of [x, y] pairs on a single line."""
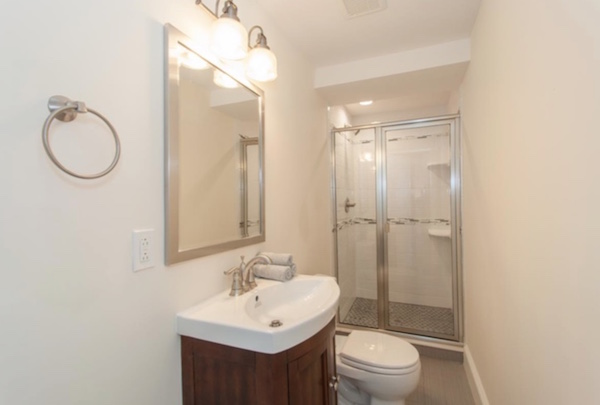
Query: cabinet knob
{"points": [[333, 383]]}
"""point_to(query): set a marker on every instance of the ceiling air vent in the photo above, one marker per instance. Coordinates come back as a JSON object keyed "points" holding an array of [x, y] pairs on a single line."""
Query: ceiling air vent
{"points": [[356, 8]]}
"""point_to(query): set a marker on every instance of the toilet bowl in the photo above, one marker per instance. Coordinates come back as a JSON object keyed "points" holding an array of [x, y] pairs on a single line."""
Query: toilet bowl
{"points": [[375, 369]]}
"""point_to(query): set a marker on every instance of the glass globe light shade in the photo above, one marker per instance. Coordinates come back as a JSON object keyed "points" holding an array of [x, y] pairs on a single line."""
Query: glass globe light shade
{"points": [[223, 80], [193, 61], [228, 39], [261, 64]]}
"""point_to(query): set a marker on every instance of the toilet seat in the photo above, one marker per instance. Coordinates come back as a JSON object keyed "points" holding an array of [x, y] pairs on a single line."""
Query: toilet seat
{"points": [[379, 353]]}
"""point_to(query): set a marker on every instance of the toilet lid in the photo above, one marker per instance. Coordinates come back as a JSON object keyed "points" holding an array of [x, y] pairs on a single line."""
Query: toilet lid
{"points": [[376, 350]]}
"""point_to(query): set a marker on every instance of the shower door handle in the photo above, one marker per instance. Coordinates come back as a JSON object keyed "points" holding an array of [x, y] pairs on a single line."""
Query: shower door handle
{"points": [[348, 205]]}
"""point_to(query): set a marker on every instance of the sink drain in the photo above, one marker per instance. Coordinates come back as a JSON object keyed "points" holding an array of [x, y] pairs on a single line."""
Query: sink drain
{"points": [[276, 323]]}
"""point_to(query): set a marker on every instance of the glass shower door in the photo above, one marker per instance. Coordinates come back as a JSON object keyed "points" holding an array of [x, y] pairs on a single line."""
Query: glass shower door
{"points": [[356, 204], [417, 205], [397, 218]]}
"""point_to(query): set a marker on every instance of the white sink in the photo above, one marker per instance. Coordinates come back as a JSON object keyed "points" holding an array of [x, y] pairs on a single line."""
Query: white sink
{"points": [[303, 306]]}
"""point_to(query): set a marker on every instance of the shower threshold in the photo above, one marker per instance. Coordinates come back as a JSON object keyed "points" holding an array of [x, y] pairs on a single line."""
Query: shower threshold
{"points": [[426, 319]]}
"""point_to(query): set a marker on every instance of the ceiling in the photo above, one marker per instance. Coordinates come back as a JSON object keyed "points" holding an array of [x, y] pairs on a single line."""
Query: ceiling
{"points": [[322, 30]]}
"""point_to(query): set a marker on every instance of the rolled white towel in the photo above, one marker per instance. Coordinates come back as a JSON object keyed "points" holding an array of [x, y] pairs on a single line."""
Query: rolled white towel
{"points": [[282, 259], [273, 271]]}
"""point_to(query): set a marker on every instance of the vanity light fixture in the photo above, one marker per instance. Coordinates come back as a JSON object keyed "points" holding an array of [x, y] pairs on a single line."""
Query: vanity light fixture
{"points": [[229, 40], [227, 34], [366, 102], [261, 63]]}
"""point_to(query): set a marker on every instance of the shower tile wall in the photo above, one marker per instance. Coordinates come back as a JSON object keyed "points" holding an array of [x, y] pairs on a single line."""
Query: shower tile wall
{"points": [[419, 264], [418, 180]]}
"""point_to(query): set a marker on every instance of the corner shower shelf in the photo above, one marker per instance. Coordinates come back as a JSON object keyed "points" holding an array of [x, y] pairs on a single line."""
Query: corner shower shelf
{"points": [[440, 233], [435, 165]]}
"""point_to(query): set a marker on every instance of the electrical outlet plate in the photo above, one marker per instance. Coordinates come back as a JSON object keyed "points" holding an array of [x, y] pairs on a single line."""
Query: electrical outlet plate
{"points": [[143, 249]]}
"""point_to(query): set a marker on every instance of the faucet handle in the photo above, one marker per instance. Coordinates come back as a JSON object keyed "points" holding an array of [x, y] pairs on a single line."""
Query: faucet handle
{"points": [[237, 285]]}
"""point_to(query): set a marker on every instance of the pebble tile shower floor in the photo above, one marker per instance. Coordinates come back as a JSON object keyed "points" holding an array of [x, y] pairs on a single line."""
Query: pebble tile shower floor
{"points": [[363, 312]]}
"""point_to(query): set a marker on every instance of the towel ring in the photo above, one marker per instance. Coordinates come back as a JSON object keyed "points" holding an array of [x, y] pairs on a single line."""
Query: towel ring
{"points": [[66, 110]]}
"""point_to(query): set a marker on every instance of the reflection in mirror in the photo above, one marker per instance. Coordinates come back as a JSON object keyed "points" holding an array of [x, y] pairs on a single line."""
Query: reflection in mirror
{"points": [[249, 161], [214, 189]]}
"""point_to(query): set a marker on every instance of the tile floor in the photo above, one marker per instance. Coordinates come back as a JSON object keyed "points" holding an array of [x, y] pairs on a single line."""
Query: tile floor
{"points": [[443, 382]]}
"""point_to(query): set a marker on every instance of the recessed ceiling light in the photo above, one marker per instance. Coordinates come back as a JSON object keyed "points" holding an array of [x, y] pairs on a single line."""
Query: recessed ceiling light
{"points": [[366, 102]]}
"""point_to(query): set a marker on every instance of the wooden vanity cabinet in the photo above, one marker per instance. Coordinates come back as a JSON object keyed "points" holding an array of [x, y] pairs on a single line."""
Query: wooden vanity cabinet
{"points": [[215, 374]]}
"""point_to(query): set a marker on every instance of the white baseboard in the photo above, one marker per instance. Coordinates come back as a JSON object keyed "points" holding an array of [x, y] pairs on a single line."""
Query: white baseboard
{"points": [[474, 379]]}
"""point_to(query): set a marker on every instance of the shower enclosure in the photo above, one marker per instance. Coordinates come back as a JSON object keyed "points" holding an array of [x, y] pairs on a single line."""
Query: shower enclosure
{"points": [[397, 226]]}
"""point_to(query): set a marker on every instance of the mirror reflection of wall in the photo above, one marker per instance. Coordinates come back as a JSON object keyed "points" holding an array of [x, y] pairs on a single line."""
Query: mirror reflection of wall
{"points": [[211, 206], [211, 119], [249, 164]]}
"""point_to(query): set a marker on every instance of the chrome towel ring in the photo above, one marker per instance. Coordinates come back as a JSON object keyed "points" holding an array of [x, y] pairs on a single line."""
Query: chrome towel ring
{"points": [[66, 110]]}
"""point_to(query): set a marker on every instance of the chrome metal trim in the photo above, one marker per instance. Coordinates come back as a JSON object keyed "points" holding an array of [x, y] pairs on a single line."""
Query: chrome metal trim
{"points": [[383, 313], [205, 7], [425, 340], [334, 209], [458, 226], [454, 226], [66, 110], [244, 143], [173, 38], [394, 123]]}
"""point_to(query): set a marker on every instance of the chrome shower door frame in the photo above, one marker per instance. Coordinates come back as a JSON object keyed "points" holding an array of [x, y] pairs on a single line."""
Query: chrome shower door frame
{"points": [[455, 221], [382, 222]]}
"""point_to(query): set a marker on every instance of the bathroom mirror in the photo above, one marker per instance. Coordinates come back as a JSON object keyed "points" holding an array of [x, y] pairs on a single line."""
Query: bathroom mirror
{"points": [[214, 154]]}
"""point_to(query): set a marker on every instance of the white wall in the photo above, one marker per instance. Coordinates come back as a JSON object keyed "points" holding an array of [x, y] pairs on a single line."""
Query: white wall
{"points": [[531, 198], [77, 325]]}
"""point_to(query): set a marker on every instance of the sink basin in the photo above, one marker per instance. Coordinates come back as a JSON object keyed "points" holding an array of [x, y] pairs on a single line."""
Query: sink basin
{"points": [[272, 318]]}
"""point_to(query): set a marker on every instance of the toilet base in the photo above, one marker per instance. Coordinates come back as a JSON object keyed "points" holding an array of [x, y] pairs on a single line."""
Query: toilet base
{"points": [[375, 401], [350, 394], [344, 401]]}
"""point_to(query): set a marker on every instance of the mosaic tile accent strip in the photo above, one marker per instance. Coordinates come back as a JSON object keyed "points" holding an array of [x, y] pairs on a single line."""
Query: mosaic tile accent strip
{"points": [[393, 221], [411, 137], [415, 221], [363, 312], [350, 138]]}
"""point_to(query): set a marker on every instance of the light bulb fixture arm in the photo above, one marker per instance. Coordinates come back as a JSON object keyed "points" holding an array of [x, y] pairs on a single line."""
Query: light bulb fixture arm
{"points": [[229, 9], [261, 39]]}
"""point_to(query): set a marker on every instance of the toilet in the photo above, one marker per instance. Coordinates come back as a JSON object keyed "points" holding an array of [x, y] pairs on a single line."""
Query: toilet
{"points": [[375, 369]]}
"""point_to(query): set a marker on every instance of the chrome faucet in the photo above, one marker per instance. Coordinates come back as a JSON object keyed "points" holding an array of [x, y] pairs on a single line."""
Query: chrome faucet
{"points": [[250, 283], [239, 285]]}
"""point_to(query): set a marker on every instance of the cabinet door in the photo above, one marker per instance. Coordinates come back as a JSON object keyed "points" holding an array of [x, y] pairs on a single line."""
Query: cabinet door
{"points": [[310, 375], [214, 374]]}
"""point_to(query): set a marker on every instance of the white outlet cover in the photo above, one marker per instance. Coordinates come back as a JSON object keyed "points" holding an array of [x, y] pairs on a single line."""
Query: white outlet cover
{"points": [[142, 249]]}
